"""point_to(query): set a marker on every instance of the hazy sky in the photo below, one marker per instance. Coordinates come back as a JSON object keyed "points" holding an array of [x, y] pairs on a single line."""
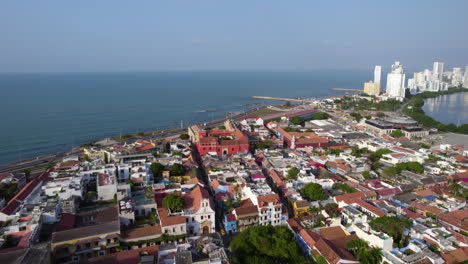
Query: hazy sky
{"points": [[113, 35]]}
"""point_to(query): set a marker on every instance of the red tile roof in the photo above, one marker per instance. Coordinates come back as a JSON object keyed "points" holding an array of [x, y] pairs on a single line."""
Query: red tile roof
{"points": [[126, 257], [266, 199], [66, 222], [195, 197], [167, 220], [142, 232]]}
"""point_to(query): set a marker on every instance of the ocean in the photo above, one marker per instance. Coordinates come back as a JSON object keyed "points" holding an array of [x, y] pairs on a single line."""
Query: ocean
{"points": [[44, 113]]}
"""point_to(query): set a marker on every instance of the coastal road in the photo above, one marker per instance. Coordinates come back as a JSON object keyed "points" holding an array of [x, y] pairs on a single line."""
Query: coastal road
{"points": [[58, 156]]}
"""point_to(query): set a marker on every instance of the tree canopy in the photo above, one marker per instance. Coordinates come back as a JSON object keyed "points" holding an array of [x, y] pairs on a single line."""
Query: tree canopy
{"points": [[344, 187], [412, 166], [297, 120], [156, 169], [184, 136], [266, 244], [397, 133], [392, 226], [360, 249], [173, 202], [292, 173], [320, 116], [313, 192], [177, 169]]}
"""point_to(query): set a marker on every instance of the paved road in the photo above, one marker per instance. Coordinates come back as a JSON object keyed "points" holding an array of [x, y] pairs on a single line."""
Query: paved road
{"points": [[58, 156]]}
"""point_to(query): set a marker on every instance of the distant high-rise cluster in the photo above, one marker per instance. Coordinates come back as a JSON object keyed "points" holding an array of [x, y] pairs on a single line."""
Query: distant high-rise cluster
{"points": [[396, 82], [436, 80], [465, 78], [373, 88]]}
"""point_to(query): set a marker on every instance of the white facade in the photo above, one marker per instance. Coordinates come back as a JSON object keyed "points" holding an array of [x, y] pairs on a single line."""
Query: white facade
{"points": [[377, 74], [396, 82], [465, 78], [438, 70], [457, 77], [203, 218]]}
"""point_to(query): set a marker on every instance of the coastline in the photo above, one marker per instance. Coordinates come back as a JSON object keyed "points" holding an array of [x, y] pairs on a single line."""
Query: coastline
{"points": [[414, 109], [168, 132]]}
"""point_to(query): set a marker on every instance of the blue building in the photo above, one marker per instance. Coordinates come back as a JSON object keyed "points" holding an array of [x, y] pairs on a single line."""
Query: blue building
{"points": [[230, 223]]}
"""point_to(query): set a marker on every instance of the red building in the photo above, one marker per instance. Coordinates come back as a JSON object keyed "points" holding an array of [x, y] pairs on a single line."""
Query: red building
{"points": [[221, 142], [301, 139]]}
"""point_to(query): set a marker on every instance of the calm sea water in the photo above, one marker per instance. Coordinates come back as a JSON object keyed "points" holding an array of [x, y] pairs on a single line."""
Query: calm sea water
{"points": [[452, 108], [47, 113]]}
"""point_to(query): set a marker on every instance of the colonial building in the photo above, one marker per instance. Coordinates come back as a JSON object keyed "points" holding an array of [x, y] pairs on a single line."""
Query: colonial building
{"points": [[86, 235], [295, 140], [199, 212], [220, 142]]}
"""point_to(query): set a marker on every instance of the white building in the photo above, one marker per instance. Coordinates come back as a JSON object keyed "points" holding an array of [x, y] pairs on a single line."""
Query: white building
{"points": [[269, 209], [465, 78], [199, 212], [438, 71], [457, 77], [106, 186], [396, 82], [377, 74]]}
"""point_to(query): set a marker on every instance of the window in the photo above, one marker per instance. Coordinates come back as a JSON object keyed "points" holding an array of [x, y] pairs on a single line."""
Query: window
{"points": [[209, 216], [201, 217]]}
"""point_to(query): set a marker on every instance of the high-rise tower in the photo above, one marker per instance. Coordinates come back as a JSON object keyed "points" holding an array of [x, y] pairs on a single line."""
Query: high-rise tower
{"points": [[377, 74], [396, 82]]}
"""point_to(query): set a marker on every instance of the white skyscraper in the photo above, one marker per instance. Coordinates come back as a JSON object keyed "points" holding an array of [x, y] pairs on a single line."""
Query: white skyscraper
{"points": [[465, 78], [377, 74], [438, 70], [457, 77], [396, 82]]}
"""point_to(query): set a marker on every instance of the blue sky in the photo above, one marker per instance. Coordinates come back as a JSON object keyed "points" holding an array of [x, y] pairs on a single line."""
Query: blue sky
{"points": [[158, 35]]}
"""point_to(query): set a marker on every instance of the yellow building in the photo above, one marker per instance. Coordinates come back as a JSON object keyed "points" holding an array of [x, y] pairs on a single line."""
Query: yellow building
{"points": [[300, 208], [372, 88]]}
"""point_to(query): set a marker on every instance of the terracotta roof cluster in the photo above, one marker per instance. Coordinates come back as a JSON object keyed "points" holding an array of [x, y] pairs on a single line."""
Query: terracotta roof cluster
{"points": [[355, 195], [265, 200], [194, 198], [426, 208], [458, 218], [167, 220], [127, 257], [246, 208], [18, 199], [141, 232]]}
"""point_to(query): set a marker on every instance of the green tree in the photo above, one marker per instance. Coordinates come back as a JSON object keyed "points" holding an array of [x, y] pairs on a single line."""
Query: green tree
{"points": [[320, 116], [177, 169], [184, 136], [292, 173], [332, 209], [397, 133], [344, 187], [360, 249], [266, 244], [157, 169], [173, 202], [366, 174], [392, 226], [380, 114], [378, 154], [313, 192], [297, 120]]}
